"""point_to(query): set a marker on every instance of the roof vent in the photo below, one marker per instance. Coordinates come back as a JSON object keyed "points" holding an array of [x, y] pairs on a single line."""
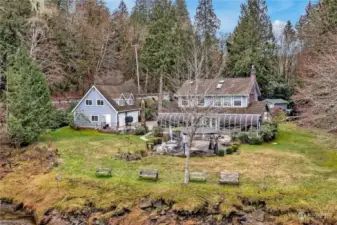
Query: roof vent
{"points": [[218, 86], [221, 81], [191, 82]]}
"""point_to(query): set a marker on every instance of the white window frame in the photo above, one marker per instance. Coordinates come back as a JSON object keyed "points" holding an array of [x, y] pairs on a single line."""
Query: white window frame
{"points": [[217, 101], [100, 100], [223, 101], [235, 98], [94, 120], [88, 100], [183, 99], [201, 101]]}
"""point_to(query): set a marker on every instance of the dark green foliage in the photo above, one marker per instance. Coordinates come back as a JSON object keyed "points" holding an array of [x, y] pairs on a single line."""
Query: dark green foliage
{"points": [[148, 114], [13, 20], [141, 11], [229, 150], [160, 48], [253, 43], [60, 118], [269, 131], [279, 89], [157, 132], [28, 100], [221, 152], [140, 130], [207, 22]]}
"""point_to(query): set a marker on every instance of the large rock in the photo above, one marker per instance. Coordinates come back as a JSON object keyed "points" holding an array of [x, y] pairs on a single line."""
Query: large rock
{"points": [[258, 215], [145, 203]]}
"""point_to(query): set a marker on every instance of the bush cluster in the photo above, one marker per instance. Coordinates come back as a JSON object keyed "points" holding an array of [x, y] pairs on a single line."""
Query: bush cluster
{"points": [[61, 118], [268, 133], [140, 130], [158, 132]]}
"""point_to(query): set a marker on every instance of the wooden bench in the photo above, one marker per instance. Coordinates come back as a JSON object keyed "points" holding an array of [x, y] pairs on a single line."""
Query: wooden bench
{"points": [[229, 178], [198, 176], [103, 172], [149, 174]]}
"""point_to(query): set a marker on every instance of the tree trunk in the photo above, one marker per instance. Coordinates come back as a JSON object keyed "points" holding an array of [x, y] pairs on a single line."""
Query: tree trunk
{"points": [[160, 101], [187, 163]]}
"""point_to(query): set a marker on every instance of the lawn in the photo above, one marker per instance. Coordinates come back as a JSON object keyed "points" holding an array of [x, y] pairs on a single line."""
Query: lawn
{"points": [[296, 172]]}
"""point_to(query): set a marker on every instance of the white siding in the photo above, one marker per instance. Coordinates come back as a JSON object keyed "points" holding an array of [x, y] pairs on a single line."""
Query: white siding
{"points": [[209, 101], [121, 117]]}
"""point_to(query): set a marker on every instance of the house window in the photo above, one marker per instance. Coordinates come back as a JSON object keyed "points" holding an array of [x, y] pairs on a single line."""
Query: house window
{"points": [[184, 101], [94, 118], [100, 102], [88, 102], [217, 101], [237, 101], [201, 101], [226, 101], [121, 102]]}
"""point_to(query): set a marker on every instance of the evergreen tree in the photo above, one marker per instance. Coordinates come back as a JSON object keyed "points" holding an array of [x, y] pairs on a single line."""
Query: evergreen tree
{"points": [[207, 22], [28, 100], [207, 25], [122, 9], [13, 19], [141, 11], [253, 43], [159, 51], [181, 11]]}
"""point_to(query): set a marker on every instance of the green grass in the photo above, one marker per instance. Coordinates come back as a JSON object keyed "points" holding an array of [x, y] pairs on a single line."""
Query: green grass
{"points": [[297, 172]]}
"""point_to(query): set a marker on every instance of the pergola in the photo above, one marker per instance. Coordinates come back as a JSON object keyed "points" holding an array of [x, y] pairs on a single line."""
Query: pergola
{"points": [[216, 121]]}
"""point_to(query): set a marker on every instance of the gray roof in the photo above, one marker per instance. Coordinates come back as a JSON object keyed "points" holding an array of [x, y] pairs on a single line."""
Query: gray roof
{"points": [[276, 101], [218, 86]]}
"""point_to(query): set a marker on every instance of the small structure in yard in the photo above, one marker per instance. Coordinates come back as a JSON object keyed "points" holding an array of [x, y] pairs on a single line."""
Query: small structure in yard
{"points": [[198, 176], [103, 172], [149, 174], [229, 178], [278, 103]]}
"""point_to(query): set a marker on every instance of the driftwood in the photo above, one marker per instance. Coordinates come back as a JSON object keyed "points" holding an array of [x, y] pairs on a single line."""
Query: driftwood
{"points": [[229, 178], [103, 172], [198, 176], [149, 174]]}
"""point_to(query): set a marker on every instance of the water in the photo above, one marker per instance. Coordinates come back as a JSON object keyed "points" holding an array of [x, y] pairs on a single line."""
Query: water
{"points": [[8, 216]]}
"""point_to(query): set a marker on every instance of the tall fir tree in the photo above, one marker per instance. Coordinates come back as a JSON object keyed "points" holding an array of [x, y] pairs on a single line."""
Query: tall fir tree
{"points": [[122, 9], [141, 11], [207, 25], [253, 43], [28, 100], [159, 50]]}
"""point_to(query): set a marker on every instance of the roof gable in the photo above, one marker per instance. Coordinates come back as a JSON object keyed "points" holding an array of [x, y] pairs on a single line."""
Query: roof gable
{"points": [[86, 95]]}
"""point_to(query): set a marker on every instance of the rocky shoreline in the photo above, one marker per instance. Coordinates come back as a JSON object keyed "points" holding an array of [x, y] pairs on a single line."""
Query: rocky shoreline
{"points": [[150, 212]]}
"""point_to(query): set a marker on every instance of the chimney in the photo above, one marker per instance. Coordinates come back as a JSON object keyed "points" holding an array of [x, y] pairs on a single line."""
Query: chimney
{"points": [[252, 74]]}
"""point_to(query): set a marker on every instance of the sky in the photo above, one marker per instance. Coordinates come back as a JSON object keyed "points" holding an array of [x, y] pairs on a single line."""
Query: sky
{"points": [[228, 11]]}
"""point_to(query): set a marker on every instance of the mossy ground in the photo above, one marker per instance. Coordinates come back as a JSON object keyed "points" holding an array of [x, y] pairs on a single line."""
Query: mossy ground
{"points": [[296, 172]]}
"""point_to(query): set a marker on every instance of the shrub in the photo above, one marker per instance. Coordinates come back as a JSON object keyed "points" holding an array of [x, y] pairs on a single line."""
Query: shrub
{"points": [[158, 132], [269, 131], [166, 137], [221, 152], [140, 130], [229, 150], [235, 146], [243, 137], [255, 140], [143, 153], [60, 118]]}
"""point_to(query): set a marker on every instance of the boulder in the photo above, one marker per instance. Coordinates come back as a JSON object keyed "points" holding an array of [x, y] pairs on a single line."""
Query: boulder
{"points": [[146, 203], [258, 215]]}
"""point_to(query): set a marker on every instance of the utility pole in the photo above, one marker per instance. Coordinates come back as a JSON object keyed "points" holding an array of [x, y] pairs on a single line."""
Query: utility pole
{"points": [[136, 52]]}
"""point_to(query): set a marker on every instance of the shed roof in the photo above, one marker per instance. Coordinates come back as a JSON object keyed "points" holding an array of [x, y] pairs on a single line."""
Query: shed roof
{"points": [[276, 101]]}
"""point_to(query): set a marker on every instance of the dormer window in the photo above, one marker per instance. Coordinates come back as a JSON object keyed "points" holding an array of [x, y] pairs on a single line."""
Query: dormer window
{"points": [[88, 102], [121, 102], [237, 101]]}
